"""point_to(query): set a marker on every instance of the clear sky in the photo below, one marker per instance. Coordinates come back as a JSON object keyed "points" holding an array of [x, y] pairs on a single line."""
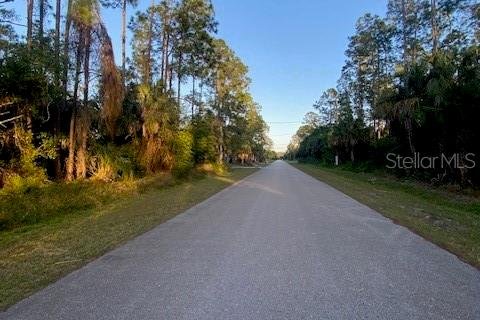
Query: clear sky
{"points": [[294, 49]]}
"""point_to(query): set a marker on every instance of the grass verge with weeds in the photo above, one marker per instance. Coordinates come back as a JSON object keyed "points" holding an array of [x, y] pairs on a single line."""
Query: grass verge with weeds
{"points": [[447, 218], [81, 221]]}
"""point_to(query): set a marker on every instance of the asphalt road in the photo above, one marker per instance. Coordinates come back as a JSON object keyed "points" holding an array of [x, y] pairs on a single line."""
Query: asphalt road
{"points": [[278, 245]]}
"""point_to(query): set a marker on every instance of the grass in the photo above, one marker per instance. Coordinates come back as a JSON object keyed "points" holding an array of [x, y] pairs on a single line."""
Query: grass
{"points": [[448, 218], [90, 220]]}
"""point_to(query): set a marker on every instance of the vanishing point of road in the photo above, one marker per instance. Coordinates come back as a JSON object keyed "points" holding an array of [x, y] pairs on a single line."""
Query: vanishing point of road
{"points": [[277, 245]]}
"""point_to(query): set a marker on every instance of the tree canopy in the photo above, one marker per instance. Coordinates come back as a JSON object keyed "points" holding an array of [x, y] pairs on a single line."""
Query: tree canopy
{"points": [[69, 112], [410, 85]]}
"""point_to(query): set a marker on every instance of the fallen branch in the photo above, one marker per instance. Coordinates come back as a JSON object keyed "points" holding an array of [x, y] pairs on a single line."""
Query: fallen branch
{"points": [[2, 123]]}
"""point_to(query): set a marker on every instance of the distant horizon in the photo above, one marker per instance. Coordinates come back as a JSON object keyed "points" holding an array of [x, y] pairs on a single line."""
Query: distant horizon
{"points": [[288, 70]]}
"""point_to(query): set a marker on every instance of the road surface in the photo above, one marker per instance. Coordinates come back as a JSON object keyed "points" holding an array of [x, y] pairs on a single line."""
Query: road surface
{"points": [[277, 245]]}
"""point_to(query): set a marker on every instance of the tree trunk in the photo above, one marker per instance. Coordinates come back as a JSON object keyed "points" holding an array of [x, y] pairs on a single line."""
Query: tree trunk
{"points": [[58, 160], [148, 75], [166, 79], [165, 44], [86, 67], [66, 65], [71, 147], [73, 120], [221, 142], [179, 78], [434, 26], [84, 121], [82, 132], [41, 18], [404, 34], [193, 95], [162, 66], [29, 23], [58, 9], [170, 77], [124, 39], [66, 61], [200, 102]]}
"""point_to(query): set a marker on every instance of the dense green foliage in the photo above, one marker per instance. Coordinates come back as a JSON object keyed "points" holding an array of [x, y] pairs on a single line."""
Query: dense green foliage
{"points": [[410, 85], [67, 112]]}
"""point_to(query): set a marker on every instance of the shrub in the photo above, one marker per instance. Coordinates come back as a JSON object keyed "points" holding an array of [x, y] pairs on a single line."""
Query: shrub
{"points": [[204, 139], [22, 173], [183, 153], [15, 183], [111, 163]]}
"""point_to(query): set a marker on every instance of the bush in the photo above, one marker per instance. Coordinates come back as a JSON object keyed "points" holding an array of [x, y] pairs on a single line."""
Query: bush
{"points": [[204, 139], [110, 163], [183, 153], [22, 172], [15, 183]]}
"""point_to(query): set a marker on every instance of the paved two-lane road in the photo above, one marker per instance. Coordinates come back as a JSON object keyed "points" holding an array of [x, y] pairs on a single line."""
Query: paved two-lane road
{"points": [[278, 245]]}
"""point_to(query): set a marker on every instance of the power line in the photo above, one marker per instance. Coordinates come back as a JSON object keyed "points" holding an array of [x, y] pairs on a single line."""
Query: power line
{"points": [[283, 122]]}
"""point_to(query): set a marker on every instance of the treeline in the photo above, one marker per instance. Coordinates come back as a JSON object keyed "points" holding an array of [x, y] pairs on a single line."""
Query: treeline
{"points": [[67, 111], [410, 86]]}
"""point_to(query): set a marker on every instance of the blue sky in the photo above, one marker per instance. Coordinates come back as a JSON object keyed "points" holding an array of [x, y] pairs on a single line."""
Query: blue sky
{"points": [[294, 49]]}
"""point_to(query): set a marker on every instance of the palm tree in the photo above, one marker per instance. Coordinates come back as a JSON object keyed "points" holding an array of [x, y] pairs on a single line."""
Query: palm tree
{"points": [[86, 22]]}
